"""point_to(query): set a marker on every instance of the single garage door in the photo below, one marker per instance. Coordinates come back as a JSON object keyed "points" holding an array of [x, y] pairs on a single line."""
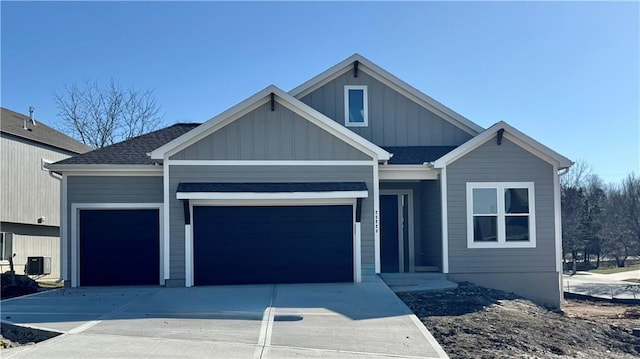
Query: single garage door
{"points": [[119, 247], [285, 244]]}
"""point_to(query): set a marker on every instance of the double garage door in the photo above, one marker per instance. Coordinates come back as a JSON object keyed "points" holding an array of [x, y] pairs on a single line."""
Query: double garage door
{"points": [[231, 245], [284, 244]]}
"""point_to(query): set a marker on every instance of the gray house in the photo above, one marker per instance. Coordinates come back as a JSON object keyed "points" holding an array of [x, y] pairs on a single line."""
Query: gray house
{"points": [[351, 174], [29, 193]]}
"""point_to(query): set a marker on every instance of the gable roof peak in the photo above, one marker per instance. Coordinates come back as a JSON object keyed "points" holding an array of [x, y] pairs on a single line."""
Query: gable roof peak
{"points": [[260, 98], [391, 81], [514, 135]]}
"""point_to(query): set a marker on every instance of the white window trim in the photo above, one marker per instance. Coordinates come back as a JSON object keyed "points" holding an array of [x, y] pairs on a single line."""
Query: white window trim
{"points": [[365, 99], [500, 187]]}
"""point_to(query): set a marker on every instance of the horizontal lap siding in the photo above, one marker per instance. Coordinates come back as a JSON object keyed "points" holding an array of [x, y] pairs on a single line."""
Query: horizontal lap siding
{"points": [[110, 189], [266, 174], [504, 163], [394, 119], [432, 224], [263, 134]]}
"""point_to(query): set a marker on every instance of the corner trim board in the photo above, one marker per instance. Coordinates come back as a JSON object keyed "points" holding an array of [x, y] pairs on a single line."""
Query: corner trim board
{"points": [[445, 220], [64, 225]]}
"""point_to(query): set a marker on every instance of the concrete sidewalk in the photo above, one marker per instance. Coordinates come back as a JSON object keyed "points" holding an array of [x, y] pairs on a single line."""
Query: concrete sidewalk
{"points": [[364, 320], [605, 286]]}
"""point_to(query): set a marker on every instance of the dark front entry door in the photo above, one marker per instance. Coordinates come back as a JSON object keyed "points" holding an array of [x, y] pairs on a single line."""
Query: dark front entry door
{"points": [[389, 251]]}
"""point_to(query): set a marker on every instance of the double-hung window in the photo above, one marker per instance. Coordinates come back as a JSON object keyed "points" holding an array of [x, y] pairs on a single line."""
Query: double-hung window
{"points": [[356, 108], [501, 215]]}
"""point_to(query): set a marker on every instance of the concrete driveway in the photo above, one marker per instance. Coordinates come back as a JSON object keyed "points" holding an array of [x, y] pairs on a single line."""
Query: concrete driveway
{"points": [[364, 320], [606, 286]]}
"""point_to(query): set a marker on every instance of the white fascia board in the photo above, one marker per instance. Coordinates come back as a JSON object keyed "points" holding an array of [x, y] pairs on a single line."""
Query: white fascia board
{"points": [[271, 195], [513, 135], [107, 169], [407, 172], [392, 81]]}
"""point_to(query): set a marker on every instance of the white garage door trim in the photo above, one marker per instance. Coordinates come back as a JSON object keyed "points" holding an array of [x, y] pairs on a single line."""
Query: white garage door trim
{"points": [[188, 235]]}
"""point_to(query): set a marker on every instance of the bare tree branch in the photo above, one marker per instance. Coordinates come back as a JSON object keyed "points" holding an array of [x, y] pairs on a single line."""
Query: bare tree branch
{"points": [[99, 116]]}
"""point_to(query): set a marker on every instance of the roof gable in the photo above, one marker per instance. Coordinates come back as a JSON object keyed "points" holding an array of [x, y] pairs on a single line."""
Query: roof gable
{"points": [[513, 135], [13, 123], [253, 103], [393, 82], [271, 134]]}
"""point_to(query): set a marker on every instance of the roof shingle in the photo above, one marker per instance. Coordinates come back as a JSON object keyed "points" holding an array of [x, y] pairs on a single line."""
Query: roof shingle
{"points": [[413, 155], [132, 151]]}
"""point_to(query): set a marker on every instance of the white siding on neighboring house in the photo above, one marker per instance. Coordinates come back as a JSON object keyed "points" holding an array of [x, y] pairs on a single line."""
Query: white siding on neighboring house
{"points": [[28, 192]]}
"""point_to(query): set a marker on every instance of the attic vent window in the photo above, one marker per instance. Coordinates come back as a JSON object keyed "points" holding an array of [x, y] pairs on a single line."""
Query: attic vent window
{"points": [[355, 106]]}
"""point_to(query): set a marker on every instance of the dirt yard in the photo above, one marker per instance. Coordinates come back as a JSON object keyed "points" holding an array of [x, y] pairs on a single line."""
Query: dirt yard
{"points": [[475, 322]]}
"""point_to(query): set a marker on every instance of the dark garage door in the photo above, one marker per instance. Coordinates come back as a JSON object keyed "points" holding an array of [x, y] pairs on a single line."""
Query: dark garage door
{"points": [[288, 244], [119, 247]]}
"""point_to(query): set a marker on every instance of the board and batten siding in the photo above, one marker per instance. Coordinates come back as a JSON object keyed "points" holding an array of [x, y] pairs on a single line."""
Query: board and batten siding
{"points": [[110, 189], [184, 173], [28, 191], [530, 272], [263, 134], [394, 119]]}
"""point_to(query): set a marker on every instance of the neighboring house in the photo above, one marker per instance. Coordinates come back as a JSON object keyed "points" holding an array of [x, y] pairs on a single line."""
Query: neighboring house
{"points": [[30, 194], [351, 174]]}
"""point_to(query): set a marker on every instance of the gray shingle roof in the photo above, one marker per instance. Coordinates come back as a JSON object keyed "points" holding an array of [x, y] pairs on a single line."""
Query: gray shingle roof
{"points": [[413, 155], [12, 123], [132, 151], [271, 187]]}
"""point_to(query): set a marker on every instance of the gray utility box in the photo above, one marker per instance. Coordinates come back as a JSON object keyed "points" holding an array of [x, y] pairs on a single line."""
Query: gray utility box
{"points": [[38, 265]]}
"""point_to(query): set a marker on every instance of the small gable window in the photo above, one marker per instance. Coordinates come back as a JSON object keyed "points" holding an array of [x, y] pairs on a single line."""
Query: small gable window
{"points": [[355, 106]]}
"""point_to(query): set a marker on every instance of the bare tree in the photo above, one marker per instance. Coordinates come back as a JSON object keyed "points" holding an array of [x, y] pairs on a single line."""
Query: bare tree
{"points": [[595, 197], [578, 174], [573, 228], [618, 238], [99, 116], [631, 206]]}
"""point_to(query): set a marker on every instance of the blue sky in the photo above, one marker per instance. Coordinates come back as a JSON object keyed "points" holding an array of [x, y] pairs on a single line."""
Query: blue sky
{"points": [[567, 74]]}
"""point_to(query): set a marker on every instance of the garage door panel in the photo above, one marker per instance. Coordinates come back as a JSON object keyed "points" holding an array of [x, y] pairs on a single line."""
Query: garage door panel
{"points": [[291, 244], [119, 247]]}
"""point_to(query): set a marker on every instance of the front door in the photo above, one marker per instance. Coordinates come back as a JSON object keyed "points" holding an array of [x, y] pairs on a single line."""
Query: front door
{"points": [[396, 227], [389, 233]]}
